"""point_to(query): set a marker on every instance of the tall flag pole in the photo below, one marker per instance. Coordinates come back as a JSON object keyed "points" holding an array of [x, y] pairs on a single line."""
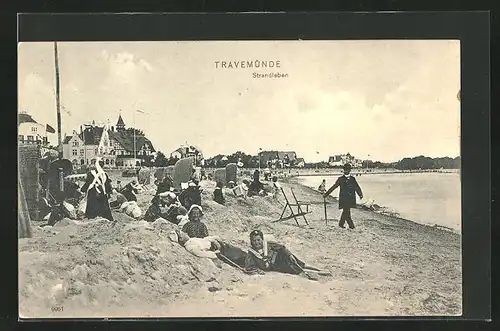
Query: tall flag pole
{"points": [[58, 101], [135, 157]]}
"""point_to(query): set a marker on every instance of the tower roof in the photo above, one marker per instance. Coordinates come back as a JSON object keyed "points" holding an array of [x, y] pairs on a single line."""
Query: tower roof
{"points": [[120, 121]]}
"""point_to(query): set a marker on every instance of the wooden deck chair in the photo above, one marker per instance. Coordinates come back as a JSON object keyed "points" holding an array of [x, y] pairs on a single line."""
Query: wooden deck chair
{"points": [[298, 204]]}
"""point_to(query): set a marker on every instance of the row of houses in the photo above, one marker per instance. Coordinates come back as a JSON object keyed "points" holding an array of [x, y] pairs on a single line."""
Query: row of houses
{"points": [[114, 144], [282, 159]]}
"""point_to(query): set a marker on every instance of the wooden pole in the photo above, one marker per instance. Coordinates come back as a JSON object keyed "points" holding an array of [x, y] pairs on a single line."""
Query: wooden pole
{"points": [[58, 101], [135, 161], [324, 203]]}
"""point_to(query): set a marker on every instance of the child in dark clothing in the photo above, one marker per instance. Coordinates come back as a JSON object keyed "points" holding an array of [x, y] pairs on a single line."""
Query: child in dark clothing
{"points": [[218, 196], [347, 196]]}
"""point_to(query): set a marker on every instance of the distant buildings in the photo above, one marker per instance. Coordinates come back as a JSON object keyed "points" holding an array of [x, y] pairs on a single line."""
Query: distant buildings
{"points": [[277, 159], [114, 145], [30, 131], [341, 159], [300, 162]]}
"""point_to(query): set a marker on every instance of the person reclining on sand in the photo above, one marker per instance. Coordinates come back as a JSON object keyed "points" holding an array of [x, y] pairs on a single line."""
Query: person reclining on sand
{"points": [[201, 247], [211, 247], [266, 255]]}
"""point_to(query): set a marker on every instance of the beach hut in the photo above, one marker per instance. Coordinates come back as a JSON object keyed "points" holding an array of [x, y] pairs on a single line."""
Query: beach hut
{"points": [[231, 172], [183, 170]]}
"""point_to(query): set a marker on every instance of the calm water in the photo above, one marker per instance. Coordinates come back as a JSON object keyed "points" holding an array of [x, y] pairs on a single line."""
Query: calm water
{"points": [[428, 198]]}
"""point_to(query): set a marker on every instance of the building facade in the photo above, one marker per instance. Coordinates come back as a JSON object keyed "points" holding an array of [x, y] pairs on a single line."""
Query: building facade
{"points": [[341, 159], [277, 159], [114, 146], [30, 131]]}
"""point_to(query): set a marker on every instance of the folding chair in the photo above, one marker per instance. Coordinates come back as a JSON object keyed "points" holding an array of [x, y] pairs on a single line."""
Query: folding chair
{"points": [[294, 214]]}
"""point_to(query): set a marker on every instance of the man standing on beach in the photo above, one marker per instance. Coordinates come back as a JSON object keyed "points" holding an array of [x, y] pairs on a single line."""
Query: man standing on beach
{"points": [[347, 196]]}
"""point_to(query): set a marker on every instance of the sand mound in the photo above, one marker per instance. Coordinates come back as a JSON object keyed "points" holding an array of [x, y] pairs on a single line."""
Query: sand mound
{"points": [[98, 263]]}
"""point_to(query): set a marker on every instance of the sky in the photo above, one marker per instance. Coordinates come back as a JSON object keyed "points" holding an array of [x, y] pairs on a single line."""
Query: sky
{"points": [[381, 100]]}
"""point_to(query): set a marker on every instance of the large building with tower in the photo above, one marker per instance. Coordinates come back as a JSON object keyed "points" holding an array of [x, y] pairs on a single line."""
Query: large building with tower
{"points": [[113, 144]]}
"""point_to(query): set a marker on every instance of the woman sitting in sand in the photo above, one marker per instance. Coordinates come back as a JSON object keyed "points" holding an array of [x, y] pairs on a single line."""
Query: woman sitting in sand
{"points": [[130, 190], [154, 211], [195, 228], [165, 185], [256, 187], [190, 196], [218, 195], [270, 256], [166, 206]]}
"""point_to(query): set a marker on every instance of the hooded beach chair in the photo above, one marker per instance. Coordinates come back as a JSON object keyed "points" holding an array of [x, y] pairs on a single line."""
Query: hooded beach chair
{"points": [[298, 204]]}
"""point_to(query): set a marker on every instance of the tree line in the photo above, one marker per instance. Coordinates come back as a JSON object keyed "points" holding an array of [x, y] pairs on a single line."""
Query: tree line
{"points": [[417, 163], [252, 161]]}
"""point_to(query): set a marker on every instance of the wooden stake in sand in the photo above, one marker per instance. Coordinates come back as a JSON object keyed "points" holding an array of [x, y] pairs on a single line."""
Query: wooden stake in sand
{"points": [[326, 216], [324, 203]]}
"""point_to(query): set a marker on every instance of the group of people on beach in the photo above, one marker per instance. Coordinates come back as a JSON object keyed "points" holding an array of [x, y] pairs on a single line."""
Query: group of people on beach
{"points": [[183, 208]]}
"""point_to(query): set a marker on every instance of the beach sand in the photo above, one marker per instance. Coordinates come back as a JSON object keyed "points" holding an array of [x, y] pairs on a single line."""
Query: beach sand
{"points": [[385, 267]]}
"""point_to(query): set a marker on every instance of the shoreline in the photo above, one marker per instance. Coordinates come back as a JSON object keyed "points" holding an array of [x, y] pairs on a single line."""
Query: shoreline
{"points": [[294, 181], [375, 173], [301, 172]]}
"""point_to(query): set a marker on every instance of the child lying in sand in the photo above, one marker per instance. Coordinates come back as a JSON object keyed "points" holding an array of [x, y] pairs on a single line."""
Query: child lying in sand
{"points": [[211, 247], [200, 247]]}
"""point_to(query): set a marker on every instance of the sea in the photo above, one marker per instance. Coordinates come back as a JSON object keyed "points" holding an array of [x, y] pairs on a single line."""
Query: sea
{"points": [[426, 198]]}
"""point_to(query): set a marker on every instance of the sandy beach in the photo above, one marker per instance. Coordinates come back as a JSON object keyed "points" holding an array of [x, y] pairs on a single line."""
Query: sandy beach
{"points": [[385, 267]]}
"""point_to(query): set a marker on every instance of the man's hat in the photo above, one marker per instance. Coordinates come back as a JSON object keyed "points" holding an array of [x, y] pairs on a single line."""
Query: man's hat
{"points": [[347, 166]]}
